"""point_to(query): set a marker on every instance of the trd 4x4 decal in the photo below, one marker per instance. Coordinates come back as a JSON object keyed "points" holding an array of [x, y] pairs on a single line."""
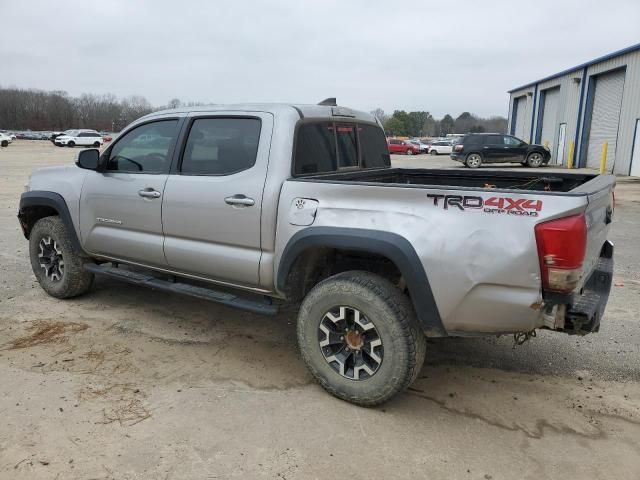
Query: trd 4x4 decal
{"points": [[496, 205]]}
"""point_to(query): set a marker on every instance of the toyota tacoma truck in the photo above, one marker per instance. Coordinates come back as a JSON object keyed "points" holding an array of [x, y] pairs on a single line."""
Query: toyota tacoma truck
{"points": [[259, 206]]}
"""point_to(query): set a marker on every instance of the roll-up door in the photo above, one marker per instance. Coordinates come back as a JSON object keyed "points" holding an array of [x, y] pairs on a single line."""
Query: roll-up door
{"points": [[550, 119], [605, 117], [520, 112]]}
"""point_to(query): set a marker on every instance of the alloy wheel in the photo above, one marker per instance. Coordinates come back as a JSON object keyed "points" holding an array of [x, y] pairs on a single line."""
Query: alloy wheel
{"points": [[51, 259], [350, 343]]}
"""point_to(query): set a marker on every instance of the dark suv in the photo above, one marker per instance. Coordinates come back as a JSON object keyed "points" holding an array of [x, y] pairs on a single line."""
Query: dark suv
{"points": [[477, 148]]}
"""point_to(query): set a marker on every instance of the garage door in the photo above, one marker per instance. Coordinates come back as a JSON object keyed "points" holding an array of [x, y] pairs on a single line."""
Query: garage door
{"points": [[520, 112], [605, 117], [550, 119]]}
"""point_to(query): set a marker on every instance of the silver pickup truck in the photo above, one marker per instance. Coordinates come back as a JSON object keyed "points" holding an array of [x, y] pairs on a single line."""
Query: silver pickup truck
{"points": [[254, 206]]}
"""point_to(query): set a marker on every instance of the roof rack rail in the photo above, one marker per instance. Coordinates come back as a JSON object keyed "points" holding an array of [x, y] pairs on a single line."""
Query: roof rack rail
{"points": [[329, 102]]}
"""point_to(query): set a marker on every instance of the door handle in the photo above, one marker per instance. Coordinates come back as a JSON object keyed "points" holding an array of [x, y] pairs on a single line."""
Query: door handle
{"points": [[149, 193], [240, 200]]}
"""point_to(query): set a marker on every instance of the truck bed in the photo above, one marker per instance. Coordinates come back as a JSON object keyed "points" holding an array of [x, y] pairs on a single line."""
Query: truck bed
{"points": [[534, 180]]}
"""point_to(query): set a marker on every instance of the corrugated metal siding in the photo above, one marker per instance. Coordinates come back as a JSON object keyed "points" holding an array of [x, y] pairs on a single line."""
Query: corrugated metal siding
{"points": [[605, 117], [568, 106]]}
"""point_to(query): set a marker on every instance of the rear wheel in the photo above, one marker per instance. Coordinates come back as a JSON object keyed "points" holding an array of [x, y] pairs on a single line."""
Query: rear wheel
{"points": [[433, 152], [410, 152], [534, 159], [58, 267], [359, 336], [474, 160]]}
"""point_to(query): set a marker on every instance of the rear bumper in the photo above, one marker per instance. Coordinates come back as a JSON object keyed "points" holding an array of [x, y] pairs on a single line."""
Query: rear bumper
{"points": [[584, 309], [457, 157]]}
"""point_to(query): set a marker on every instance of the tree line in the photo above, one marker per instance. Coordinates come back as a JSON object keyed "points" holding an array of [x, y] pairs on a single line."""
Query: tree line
{"points": [[29, 109], [423, 124]]}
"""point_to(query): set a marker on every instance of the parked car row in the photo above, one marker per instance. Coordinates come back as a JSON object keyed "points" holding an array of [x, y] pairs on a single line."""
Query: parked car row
{"points": [[417, 146]]}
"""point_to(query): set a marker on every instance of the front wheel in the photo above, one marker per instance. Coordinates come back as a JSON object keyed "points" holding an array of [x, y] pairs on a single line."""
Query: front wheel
{"points": [[359, 337], [534, 160], [409, 152], [58, 267], [71, 144], [5, 143], [96, 144], [473, 160]]}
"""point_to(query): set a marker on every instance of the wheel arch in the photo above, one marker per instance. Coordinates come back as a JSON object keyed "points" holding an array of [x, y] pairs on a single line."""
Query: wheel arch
{"points": [[376, 244], [466, 155], [38, 204]]}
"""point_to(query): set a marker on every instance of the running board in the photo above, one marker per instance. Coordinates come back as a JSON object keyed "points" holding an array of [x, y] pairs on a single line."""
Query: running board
{"points": [[146, 280]]}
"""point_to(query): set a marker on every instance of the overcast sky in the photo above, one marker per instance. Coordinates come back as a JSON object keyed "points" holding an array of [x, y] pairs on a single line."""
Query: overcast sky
{"points": [[444, 57]]}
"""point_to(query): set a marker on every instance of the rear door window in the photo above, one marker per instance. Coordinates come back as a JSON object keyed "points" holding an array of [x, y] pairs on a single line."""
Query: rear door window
{"points": [[221, 146], [474, 140], [495, 140]]}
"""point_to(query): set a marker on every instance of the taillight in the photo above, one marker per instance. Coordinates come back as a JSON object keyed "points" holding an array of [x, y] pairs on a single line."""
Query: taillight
{"points": [[458, 148], [562, 245]]}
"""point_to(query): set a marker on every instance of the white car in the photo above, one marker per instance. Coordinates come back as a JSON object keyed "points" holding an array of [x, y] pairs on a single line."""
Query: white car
{"points": [[84, 138], [440, 148], [5, 140]]}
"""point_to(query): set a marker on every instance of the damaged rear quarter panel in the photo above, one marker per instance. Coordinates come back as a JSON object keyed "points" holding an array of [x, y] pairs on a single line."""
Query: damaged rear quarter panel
{"points": [[482, 267]]}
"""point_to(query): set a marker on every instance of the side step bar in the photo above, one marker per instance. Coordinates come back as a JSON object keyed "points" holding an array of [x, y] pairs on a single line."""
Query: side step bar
{"points": [[228, 299]]}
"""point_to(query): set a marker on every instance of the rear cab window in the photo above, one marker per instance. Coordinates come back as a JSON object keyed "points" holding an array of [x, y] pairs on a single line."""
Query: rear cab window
{"points": [[326, 146]]}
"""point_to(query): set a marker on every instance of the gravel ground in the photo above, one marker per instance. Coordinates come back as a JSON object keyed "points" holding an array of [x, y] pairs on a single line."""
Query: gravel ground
{"points": [[128, 383]]}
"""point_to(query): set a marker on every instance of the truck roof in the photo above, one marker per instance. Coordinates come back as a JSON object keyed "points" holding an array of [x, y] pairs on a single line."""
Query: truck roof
{"points": [[303, 110]]}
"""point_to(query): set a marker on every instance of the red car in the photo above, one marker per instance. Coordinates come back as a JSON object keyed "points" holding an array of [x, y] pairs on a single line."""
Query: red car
{"points": [[402, 147], [107, 138]]}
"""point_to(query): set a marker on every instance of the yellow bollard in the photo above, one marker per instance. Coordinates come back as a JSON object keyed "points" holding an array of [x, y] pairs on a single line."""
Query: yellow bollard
{"points": [[570, 159], [603, 158]]}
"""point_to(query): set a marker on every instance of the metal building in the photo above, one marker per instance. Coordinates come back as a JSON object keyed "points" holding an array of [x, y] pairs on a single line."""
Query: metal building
{"points": [[585, 106]]}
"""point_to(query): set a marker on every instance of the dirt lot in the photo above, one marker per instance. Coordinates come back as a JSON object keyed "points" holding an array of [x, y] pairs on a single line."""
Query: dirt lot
{"points": [[129, 383]]}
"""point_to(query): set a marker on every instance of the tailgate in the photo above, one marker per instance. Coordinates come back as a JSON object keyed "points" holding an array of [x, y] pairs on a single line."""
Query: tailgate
{"points": [[598, 216], [581, 311]]}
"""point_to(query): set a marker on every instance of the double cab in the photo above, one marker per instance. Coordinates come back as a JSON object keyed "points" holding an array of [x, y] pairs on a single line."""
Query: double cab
{"points": [[256, 206]]}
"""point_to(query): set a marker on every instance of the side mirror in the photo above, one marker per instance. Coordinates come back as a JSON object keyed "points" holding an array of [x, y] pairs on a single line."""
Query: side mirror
{"points": [[88, 159]]}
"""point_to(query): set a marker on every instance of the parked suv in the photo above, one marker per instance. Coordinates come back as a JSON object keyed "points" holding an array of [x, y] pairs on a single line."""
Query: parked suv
{"points": [[403, 146], [441, 147], [478, 148], [5, 139], [85, 138]]}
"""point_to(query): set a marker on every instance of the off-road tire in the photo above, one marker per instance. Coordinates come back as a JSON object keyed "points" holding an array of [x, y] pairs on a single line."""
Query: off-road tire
{"points": [[74, 280], [392, 314]]}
